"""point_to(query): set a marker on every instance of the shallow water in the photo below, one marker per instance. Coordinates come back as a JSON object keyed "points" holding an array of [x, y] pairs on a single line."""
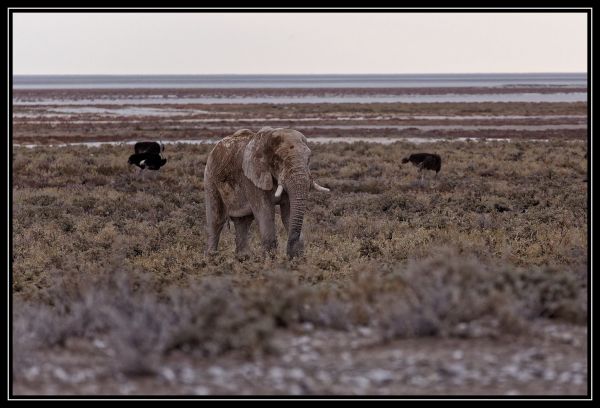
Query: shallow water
{"points": [[167, 112], [414, 140], [424, 128], [130, 111], [488, 117], [251, 121], [449, 127], [317, 140], [446, 98]]}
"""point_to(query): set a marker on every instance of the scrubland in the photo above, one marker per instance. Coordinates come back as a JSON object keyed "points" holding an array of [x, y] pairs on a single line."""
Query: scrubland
{"points": [[493, 249]]}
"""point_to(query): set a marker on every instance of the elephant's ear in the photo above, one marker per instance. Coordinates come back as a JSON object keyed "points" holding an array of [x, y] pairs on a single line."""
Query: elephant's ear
{"points": [[256, 164]]}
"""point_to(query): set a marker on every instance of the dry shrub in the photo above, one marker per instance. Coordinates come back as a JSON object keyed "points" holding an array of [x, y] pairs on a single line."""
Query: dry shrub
{"points": [[445, 292], [121, 305], [112, 256], [449, 294]]}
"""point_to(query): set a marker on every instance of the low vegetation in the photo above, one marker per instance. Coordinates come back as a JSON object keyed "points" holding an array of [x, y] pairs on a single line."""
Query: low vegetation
{"points": [[496, 240]]}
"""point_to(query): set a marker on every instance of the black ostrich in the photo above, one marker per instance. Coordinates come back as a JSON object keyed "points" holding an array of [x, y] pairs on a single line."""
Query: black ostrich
{"points": [[147, 156], [149, 147], [427, 161], [148, 161]]}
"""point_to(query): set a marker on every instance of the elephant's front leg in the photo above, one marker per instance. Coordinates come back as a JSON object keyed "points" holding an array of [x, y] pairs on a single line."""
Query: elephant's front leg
{"points": [[265, 217]]}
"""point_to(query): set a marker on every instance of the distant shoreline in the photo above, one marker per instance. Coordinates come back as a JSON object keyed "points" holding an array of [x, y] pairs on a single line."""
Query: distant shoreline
{"points": [[279, 92], [297, 81]]}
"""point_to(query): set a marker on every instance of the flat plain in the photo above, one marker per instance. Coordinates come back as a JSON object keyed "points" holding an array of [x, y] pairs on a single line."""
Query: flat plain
{"points": [[472, 282]]}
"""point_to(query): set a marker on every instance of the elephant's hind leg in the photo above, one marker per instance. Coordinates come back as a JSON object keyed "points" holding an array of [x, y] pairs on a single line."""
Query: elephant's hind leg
{"points": [[242, 225], [215, 218]]}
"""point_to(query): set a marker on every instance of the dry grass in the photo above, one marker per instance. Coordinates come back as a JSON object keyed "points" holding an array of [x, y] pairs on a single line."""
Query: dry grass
{"points": [[99, 252]]}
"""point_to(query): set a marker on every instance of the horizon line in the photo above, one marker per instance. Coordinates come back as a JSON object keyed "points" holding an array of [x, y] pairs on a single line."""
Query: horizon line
{"points": [[328, 73]]}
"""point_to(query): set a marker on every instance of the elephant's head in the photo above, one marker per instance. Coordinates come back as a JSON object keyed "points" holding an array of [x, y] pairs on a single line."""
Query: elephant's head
{"points": [[279, 158]]}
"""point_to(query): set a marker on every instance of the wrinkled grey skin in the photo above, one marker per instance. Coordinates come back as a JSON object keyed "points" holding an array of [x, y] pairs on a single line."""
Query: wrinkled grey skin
{"points": [[241, 177]]}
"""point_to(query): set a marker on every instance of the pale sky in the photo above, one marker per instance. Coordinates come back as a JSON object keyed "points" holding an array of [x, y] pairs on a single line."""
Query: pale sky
{"points": [[298, 43]]}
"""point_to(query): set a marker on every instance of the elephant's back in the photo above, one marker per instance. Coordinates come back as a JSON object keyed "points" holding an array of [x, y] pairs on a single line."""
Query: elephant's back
{"points": [[227, 153]]}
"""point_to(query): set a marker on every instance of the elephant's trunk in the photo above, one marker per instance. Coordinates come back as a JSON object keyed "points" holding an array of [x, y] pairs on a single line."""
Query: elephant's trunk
{"points": [[297, 187]]}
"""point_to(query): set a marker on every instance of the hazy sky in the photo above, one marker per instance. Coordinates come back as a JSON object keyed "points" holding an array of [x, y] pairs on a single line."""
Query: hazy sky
{"points": [[301, 43]]}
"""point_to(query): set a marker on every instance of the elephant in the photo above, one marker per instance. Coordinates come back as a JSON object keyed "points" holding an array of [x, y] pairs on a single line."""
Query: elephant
{"points": [[247, 174]]}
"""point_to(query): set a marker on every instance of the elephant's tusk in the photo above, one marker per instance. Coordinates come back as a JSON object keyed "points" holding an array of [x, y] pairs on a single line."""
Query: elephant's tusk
{"points": [[319, 188], [142, 162], [279, 191]]}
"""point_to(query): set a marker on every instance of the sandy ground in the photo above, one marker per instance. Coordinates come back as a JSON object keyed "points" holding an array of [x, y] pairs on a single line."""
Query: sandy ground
{"points": [[551, 359]]}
